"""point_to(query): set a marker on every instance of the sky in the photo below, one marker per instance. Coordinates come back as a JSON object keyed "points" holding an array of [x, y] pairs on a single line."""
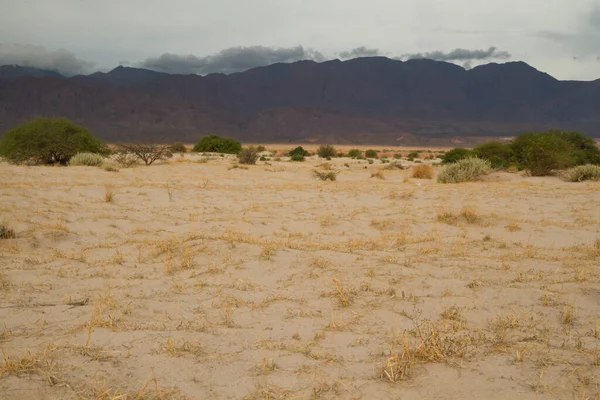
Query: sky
{"points": [[560, 37]]}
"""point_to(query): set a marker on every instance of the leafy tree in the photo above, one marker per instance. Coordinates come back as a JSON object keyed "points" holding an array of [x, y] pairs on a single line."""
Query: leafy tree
{"points": [[326, 151], [498, 154], [456, 154], [48, 140], [217, 144]]}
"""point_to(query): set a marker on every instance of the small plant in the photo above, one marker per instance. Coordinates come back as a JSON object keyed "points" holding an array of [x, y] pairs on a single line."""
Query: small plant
{"points": [[108, 195], [468, 169], [248, 155], [297, 157], [263, 158], [325, 175], [370, 161], [6, 233], [423, 171], [86, 159], [583, 173], [326, 151], [109, 166], [412, 155], [371, 153], [377, 174]]}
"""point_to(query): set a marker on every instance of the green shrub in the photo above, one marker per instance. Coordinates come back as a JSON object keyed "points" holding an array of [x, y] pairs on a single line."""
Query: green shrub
{"points": [[467, 169], [248, 155], [178, 148], [325, 175], [87, 159], [217, 144], [297, 157], [263, 158], [326, 151], [413, 155], [298, 151], [456, 154], [354, 153], [398, 156], [500, 155], [371, 153], [44, 140], [545, 152], [583, 173]]}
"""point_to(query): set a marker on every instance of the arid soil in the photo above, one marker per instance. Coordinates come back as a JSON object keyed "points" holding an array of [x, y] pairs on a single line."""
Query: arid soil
{"points": [[192, 279]]}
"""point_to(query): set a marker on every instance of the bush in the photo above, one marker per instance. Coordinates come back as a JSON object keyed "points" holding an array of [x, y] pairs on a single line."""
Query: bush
{"points": [[423, 171], [178, 148], [468, 169], [328, 175], [500, 155], [545, 152], [297, 157], [298, 151], [87, 159], [126, 160], [248, 155], [217, 144], [45, 140], [371, 153], [583, 173], [326, 151], [147, 152], [110, 166], [354, 153], [413, 155], [456, 154]]}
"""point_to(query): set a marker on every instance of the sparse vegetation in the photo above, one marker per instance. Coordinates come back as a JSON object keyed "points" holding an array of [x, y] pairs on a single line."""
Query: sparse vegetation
{"points": [[45, 140], [298, 151], [354, 153], [177, 148], [468, 169], [500, 155], [217, 144], [297, 157], [325, 175]]}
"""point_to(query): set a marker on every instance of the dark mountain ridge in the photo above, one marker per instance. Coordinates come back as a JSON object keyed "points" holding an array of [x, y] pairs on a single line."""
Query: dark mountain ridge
{"points": [[375, 99]]}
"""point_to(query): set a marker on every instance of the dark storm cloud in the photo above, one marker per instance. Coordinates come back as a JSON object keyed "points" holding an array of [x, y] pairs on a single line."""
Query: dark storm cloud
{"points": [[359, 52], [61, 60], [230, 60], [460, 55]]}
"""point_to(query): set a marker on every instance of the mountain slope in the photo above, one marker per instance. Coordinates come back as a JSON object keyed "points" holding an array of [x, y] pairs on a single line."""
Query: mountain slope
{"points": [[375, 99]]}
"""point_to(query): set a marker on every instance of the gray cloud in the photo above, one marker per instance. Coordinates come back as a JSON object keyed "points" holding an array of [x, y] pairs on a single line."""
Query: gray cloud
{"points": [[359, 52], [61, 60], [460, 55], [234, 59]]}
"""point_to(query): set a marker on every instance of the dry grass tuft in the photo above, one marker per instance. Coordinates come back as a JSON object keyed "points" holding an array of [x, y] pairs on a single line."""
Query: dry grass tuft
{"points": [[422, 171], [377, 174], [568, 315], [324, 176], [109, 196], [344, 294], [466, 214]]}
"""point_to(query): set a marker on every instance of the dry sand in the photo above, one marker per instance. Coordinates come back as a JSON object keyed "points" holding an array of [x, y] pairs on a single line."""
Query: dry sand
{"points": [[203, 282]]}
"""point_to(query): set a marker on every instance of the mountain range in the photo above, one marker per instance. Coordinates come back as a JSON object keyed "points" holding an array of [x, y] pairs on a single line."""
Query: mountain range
{"points": [[373, 100]]}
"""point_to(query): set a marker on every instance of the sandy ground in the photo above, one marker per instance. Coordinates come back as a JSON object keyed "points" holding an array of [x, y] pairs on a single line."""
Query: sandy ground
{"points": [[194, 280]]}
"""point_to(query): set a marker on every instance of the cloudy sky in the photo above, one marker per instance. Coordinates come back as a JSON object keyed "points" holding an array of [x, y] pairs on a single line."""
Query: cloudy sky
{"points": [[560, 37]]}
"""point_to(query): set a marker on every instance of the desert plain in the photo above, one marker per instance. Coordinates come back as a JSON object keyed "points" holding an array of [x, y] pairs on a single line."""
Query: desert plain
{"points": [[192, 279]]}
